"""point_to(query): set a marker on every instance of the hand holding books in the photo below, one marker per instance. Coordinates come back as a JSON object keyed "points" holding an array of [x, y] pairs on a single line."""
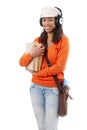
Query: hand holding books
{"points": [[36, 50]]}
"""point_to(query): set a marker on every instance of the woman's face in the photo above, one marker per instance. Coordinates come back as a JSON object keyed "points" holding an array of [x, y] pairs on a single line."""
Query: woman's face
{"points": [[48, 24]]}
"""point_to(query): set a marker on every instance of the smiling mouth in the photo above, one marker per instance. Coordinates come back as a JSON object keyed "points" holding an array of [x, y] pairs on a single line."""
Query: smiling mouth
{"points": [[47, 27]]}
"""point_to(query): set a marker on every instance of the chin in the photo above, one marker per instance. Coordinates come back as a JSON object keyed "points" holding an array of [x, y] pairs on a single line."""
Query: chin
{"points": [[49, 31]]}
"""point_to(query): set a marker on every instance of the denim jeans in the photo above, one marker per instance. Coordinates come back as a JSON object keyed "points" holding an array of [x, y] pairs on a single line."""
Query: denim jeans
{"points": [[45, 105]]}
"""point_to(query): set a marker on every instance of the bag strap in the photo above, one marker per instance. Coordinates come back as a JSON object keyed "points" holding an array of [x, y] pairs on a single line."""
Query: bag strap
{"points": [[54, 76], [56, 79]]}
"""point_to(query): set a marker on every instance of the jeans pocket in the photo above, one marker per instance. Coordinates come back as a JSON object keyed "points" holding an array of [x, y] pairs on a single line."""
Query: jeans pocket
{"points": [[32, 86]]}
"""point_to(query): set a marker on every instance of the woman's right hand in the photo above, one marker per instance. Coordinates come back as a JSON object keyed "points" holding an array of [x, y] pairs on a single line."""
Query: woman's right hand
{"points": [[37, 50]]}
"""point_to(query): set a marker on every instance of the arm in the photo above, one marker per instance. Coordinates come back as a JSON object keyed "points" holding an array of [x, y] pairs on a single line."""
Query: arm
{"points": [[27, 57], [60, 64]]}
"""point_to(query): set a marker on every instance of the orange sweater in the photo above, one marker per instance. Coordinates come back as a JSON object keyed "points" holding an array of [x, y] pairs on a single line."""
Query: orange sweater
{"points": [[57, 54]]}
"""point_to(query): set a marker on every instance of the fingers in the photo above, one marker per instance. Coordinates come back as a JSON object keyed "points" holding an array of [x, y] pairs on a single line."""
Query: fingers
{"points": [[42, 50], [36, 51], [26, 68]]}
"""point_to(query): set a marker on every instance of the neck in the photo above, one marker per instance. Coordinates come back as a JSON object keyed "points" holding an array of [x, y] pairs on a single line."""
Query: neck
{"points": [[49, 39]]}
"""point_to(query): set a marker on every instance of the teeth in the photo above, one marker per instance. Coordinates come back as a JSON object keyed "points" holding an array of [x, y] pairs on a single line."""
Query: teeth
{"points": [[46, 27]]}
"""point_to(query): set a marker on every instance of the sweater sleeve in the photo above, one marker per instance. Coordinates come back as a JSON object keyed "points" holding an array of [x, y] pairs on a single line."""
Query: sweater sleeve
{"points": [[60, 63], [25, 59]]}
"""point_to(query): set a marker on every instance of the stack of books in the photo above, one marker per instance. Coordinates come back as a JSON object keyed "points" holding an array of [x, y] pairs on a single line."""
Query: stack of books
{"points": [[35, 64]]}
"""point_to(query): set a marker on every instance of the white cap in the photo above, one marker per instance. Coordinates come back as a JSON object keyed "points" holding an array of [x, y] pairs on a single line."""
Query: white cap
{"points": [[50, 12]]}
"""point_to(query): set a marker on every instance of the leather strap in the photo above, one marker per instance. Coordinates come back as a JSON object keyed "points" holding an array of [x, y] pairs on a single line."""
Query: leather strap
{"points": [[54, 76]]}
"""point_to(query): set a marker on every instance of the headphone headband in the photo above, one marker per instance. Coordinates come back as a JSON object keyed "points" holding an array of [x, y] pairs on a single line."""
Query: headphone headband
{"points": [[52, 12]]}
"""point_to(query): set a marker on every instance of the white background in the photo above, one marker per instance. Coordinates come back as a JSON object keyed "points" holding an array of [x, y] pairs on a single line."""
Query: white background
{"points": [[19, 24]]}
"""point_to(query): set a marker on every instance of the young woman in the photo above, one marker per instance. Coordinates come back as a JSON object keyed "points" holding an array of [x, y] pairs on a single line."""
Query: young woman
{"points": [[43, 90]]}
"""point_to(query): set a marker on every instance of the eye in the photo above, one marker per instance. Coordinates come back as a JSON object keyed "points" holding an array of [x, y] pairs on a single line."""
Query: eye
{"points": [[43, 20], [51, 19]]}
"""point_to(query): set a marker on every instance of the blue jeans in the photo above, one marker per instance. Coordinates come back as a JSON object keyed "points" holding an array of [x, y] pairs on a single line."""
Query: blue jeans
{"points": [[45, 105]]}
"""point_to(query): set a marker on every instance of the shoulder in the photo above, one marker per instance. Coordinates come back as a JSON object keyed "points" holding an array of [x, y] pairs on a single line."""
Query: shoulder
{"points": [[63, 43], [65, 39]]}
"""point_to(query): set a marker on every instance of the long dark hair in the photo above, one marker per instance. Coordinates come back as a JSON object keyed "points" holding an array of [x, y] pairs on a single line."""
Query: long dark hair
{"points": [[57, 34]]}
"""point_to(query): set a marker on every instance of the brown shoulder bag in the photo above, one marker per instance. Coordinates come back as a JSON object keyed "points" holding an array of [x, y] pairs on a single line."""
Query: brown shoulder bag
{"points": [[63, 95]]}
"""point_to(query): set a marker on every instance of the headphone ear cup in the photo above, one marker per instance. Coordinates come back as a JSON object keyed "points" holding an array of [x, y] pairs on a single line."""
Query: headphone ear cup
{"points": [[59, 20], [40, 21]]}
